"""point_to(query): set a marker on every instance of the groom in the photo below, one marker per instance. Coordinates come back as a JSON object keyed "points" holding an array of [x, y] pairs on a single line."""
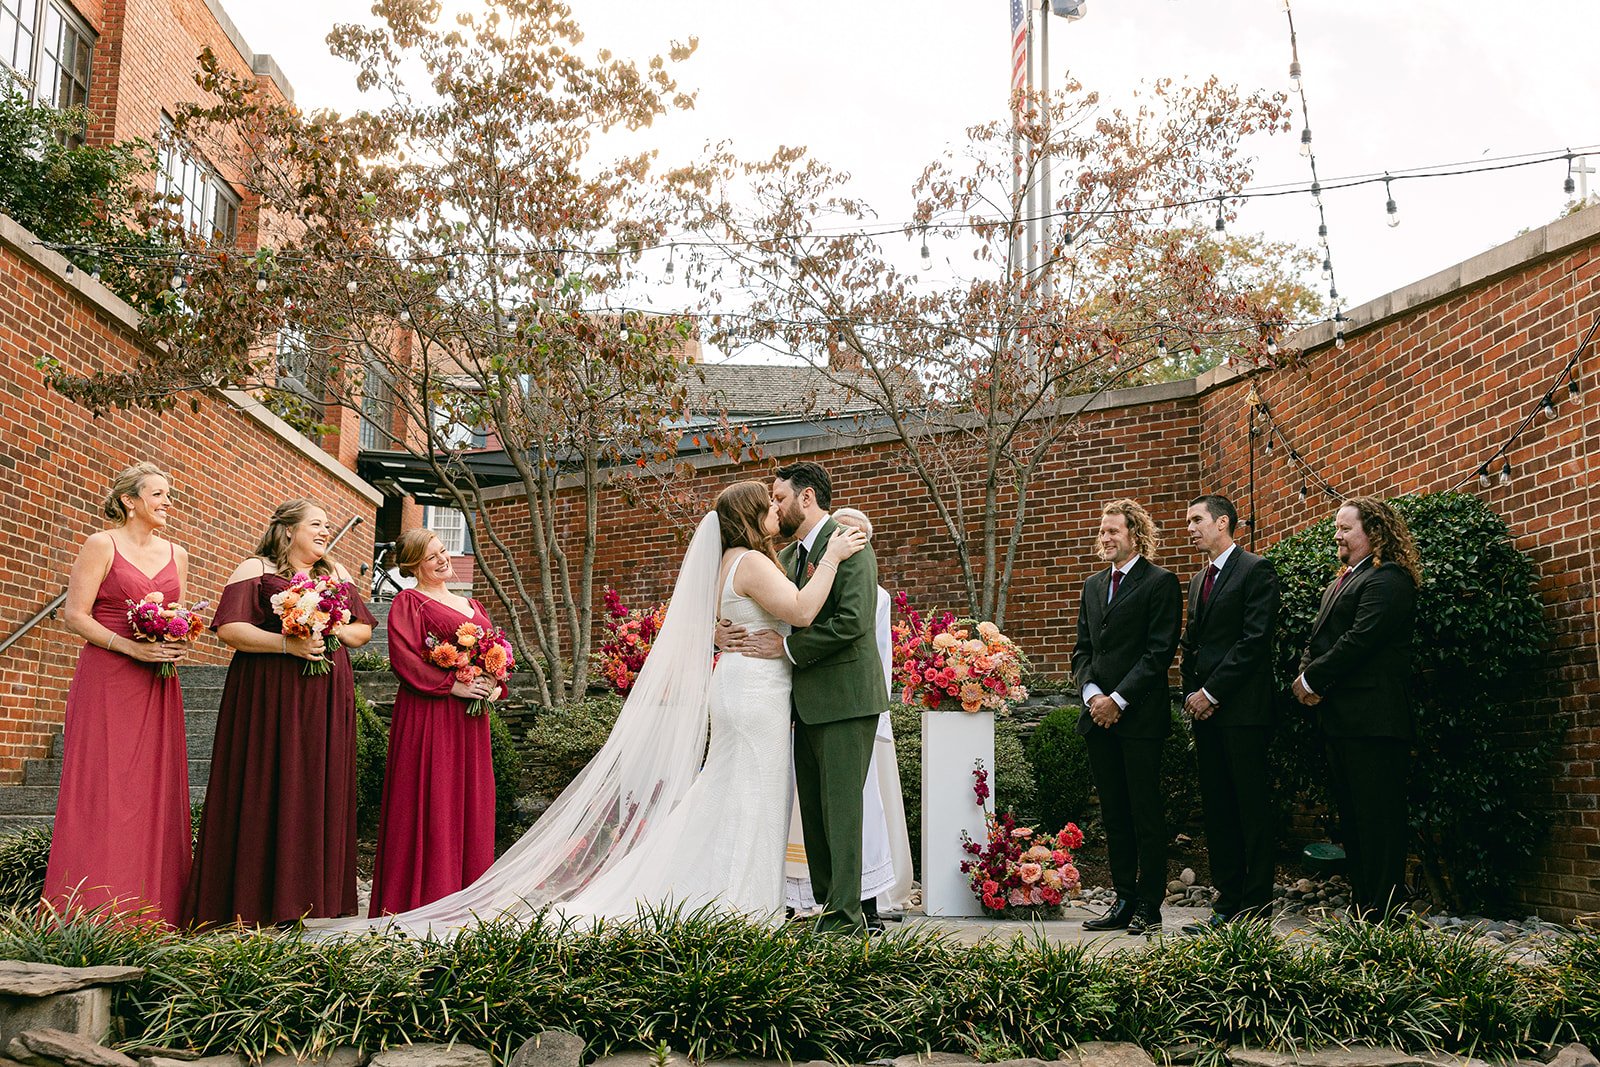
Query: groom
{"points": [[838, 691]]}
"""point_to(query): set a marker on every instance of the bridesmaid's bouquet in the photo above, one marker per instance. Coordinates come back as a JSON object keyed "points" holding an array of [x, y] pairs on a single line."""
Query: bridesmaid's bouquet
{"points": [[318, 605], [153, 619], [473, 652]]}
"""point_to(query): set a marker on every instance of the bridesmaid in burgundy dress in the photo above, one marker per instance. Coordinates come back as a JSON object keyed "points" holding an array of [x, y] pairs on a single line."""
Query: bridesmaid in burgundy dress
{"points": [[122, 820], [278, 837], [436, 834]]}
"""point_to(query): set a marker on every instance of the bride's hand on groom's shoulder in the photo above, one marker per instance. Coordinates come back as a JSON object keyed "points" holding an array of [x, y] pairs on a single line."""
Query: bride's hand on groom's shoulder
{"points": [[845, 542]]}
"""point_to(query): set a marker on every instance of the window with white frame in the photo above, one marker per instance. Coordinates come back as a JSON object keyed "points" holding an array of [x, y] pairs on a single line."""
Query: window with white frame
{"points": [[207, 205], [450, 526], [452, 430], [49, 48], [298, 368]]}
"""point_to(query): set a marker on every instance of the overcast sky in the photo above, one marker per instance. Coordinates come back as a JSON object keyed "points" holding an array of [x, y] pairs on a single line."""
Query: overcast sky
{"points": [[880, 89]]}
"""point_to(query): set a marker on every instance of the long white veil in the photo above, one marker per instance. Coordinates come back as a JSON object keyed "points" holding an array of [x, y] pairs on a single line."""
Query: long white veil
{"points": [[639, 775]]}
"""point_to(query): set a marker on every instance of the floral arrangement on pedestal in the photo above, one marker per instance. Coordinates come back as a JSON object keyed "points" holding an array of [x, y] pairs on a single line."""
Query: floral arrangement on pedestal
{"points": [[629, 634], [1019, 872], [940, 659]]}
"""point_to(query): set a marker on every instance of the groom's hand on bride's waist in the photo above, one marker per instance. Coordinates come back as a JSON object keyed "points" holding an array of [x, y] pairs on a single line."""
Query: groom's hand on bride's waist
{"points": [[728, 635], [762, 644]]}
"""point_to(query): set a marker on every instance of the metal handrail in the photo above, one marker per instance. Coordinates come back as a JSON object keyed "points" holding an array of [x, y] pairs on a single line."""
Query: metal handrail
{"points": [[46, 612], [355, 520]]}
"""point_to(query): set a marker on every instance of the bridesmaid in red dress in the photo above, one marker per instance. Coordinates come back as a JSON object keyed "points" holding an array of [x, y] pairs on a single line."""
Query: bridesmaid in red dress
{"points": [[436, 834], [278, 837], [122, 820]]}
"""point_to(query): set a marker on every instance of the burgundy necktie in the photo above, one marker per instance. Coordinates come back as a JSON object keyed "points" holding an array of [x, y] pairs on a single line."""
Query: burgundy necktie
{"points": [[1205, 588], [1116, 580], [1344, 577]]}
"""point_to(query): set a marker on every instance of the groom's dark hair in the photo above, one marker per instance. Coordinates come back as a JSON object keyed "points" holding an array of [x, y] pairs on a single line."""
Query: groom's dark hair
{"points": [[808, 475]]}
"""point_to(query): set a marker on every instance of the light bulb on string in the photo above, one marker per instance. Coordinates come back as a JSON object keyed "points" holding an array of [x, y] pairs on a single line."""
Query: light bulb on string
{"points": [[927, 256], [1572, 388], [1569, 186], [1269, 442], [405, 315], [1316, 192], [1305, 492], [1221, 222], [1322, 231], [1327, 268], [350, 286], [1505, 474], [261, 281], [1483, 476], [1305, 141], [1272, 347], [1296, 79], [672, 268], [1547, 407], [1066, 235], [1389, 206]]}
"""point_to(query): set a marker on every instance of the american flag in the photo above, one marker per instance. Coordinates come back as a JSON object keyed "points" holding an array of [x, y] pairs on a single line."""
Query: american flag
{"points": [[1019, 46]]}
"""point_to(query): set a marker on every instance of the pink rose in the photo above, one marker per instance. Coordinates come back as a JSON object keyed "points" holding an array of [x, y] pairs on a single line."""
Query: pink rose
{"points": [[1030, 872]]}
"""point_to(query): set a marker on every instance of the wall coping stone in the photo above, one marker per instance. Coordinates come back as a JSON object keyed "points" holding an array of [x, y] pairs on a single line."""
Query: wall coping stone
{"points": [[103, 300]]}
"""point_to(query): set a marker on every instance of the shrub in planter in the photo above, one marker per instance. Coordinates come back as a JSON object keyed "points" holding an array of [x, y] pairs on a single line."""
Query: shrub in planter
{"points": [[563, 739], [1480, 632]]}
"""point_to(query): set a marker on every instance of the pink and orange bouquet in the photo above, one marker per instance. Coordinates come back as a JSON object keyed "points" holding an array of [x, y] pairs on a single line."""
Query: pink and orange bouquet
{"points": [[473, 652], [1019, 868], [941, 658], [318, 605], [153, 619], [630, 633]]}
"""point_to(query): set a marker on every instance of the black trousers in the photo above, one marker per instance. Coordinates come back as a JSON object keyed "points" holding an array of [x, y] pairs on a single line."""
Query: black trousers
{"points": [[1368, 776], [1232, 761], [1127, 775]]}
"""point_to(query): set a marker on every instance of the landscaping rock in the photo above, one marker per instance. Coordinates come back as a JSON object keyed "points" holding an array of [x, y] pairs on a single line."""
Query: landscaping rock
{"points": [[45, 1046], [1574, 1055], [917, 1059], [642, 1058], [339, 1056], [432, 1056], [1019, 1063], [552, 1048], [19, 979], [230, 1060], [1354, 1056], [1107, 1054], [1186, 876], [85, 1013]]}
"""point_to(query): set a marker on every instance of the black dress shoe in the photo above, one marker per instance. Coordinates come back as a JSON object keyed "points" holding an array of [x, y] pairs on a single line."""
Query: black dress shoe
{"points": [[1117, 918], [1146, 920]]}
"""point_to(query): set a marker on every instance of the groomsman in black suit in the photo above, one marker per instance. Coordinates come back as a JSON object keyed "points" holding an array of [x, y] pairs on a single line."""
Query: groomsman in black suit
{"points": [[1129, 618], [1356, 672], [1227, 685]]}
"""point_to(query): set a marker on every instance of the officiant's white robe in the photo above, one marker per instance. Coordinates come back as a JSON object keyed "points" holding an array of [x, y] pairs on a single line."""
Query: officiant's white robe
{"points": [[885, 843]]}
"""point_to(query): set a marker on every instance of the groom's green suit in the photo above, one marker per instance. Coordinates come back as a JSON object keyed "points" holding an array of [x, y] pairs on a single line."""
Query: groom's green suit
{"points": [[838, 695]]}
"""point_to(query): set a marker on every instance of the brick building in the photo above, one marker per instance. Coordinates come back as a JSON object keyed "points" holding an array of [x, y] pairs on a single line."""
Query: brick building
{"points": [[1432, 379], [129, 62]]}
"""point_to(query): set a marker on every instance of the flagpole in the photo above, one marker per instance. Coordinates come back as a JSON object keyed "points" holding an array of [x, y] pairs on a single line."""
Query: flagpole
{"points": [[1044, 161], [1033, 189]]}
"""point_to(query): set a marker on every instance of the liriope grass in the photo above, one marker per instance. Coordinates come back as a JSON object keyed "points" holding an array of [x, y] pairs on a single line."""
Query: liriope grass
{"points": [[718, 987]]}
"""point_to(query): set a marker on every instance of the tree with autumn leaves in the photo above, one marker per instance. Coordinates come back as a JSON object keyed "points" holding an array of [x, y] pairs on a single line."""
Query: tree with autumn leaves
{"points": [[979, 372], [461, 255]]}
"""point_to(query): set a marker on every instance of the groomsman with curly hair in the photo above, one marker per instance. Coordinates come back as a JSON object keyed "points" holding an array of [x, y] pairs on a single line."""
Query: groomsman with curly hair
{"points": [[1356, 672], [1129, 618]]}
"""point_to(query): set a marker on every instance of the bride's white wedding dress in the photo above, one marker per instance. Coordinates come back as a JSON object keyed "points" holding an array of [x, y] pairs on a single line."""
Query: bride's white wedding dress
{"points": [[723, 844], [644, 826]]}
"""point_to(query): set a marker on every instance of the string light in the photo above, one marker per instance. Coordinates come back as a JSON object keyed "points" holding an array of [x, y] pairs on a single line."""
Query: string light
{"points": [[1505, 474], [1305, 142], [1569, 186], [1221, 223], [1393, 211], [927, 256], [1547, 407], [672, 269], [1483, 476], [350, 286], [1295, 83], [261, 281]]}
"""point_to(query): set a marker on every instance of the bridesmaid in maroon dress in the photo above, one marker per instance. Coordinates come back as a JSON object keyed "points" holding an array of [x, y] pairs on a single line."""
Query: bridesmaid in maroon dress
{"points": [[278, 837], [436, 834], [122, 820]]}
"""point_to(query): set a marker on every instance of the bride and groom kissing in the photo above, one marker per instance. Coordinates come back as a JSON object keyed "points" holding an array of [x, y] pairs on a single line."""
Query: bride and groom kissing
{"points": [[661, 821]]}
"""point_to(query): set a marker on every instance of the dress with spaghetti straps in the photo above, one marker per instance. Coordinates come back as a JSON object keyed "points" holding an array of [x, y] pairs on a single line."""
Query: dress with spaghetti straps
{"points": [[122, 837]]}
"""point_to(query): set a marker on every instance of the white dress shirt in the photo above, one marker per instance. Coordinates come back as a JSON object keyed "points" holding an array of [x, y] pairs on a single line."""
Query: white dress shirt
{"points": [[1219, 563], [1092, 690]]}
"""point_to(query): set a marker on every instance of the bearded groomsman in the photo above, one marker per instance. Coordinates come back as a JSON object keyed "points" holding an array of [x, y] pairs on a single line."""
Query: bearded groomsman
{"points": [[1129, 618], [1227, 685], [1356, 672]]}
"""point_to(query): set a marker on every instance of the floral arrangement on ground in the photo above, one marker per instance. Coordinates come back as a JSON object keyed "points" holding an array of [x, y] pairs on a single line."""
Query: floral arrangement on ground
{"points": [[1019, 872], [629, 634]]}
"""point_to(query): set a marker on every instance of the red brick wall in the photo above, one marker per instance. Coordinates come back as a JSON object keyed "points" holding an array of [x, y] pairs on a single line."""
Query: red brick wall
{"points": [[1432, 380], [228, 469]]}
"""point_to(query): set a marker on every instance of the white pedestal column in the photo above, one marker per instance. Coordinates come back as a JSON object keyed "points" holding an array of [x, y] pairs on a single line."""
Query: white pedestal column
{"points": [[951, 741]]}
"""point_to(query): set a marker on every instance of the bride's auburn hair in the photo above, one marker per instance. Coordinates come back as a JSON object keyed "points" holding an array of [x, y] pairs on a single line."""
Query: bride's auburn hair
{"points": [[740, 509]]}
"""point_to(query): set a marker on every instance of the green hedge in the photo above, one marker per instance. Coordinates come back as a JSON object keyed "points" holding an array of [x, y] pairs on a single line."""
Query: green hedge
{"points": [[1482, 763], [721, 988]]}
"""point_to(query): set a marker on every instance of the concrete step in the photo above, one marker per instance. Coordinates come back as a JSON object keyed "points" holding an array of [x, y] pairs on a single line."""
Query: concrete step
{"points": [[41, 799], [379, 687], [47, 772], [202, 675]]}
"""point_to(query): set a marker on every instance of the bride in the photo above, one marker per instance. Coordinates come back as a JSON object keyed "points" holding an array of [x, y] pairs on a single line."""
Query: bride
{"points": [[645, 824]]}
